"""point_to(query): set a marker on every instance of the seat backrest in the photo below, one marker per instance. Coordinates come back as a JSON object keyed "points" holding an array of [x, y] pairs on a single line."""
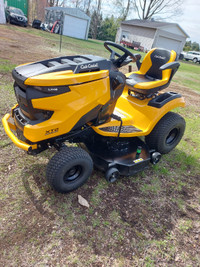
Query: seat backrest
{"points": [[154, 59]]}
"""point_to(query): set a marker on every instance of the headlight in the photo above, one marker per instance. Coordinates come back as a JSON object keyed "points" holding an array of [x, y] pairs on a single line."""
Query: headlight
{"points": [[12, 15]]}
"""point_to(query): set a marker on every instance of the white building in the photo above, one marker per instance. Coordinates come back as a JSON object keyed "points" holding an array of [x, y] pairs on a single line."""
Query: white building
{"points": [[152, 34], [2, 13], [75, 22]]}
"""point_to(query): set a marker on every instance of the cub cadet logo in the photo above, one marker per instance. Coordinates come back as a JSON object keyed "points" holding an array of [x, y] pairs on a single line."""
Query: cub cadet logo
{"points": [[156, 56], [52, 131], [89, 66]]}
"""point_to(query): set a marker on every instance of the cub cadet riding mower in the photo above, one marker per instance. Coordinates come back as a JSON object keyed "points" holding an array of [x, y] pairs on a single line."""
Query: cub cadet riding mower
{"points": [[86, 99]]}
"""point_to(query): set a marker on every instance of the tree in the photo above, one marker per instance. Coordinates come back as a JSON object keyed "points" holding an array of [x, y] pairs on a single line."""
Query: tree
{"points": [[108, 29], [53, 2], [86, 5], [123, 7], [147, 9], [195, 46], [95, 25], [187, 46], [191, 46], [96, 19]]}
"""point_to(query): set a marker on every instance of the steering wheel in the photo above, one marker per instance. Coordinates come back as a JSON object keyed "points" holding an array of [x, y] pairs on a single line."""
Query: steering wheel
{"points": [[122, 60]]}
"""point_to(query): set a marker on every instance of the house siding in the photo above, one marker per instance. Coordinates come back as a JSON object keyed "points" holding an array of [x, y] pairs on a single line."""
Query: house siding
{"points": [[169, 40], [174, 29], [75, 22], [137, 34], [152, 34]]}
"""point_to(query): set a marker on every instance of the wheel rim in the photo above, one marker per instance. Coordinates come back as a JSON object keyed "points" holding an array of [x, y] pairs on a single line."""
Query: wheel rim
{"points": [[72, 174], [172, 136], [113, 177]]}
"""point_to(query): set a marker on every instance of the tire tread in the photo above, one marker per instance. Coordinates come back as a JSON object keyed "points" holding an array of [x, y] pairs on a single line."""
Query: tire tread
{"points": [[169, 119], [61, 158]]}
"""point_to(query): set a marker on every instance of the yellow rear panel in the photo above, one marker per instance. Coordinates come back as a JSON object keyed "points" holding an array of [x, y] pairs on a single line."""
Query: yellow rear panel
{"points": [[138, 113]]}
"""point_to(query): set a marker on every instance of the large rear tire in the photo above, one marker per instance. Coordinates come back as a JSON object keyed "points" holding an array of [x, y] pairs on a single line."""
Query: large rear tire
{"points": [[194, 60], [167, 133], [68, 169]]}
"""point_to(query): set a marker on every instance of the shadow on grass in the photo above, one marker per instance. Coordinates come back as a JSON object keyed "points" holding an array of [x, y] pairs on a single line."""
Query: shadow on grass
{"points": [[39, 196], [124, 216]]}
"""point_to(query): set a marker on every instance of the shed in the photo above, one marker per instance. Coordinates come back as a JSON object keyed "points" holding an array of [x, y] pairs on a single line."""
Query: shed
{"points": [[75, 22], [152, 34]]}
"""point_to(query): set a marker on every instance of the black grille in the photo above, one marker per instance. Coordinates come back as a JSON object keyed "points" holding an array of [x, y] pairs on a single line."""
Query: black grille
{"points": [[20, 94], [20, 118]]}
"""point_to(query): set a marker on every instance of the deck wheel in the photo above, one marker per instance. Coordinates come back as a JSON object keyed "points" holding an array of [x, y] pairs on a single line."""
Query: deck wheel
{"points": [[112, 174]]}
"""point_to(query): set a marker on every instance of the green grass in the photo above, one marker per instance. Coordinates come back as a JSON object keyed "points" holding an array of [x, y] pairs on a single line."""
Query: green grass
{"points": [[188, 75], [6, 66], [70, 45]]}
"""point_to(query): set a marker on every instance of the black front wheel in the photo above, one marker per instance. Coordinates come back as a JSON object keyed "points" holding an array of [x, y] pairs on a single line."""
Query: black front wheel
{"points": [[112, 174], [68, 169], [167, 133]]}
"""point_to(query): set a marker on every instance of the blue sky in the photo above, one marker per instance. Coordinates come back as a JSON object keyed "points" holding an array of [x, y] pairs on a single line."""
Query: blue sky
{"points": [[190, 20]]}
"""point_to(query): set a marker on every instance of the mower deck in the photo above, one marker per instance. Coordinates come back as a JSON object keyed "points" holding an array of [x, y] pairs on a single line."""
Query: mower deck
{"points": [[127, 156]]}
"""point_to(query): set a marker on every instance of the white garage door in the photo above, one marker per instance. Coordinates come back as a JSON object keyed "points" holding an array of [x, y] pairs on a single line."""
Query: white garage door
{"points": [[168, 43], [74, 27]]}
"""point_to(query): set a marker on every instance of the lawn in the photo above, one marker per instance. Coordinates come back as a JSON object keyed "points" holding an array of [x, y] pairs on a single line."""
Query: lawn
{"points": [[150, 219], [188, 75]]}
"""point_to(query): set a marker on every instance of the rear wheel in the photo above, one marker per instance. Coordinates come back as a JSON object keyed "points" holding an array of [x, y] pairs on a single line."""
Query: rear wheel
{"points": [[68, 169], [194, 60], [167, 133]]}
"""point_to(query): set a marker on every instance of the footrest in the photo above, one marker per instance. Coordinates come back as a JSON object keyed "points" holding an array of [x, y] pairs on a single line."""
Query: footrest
{"points": [[124, 129]]}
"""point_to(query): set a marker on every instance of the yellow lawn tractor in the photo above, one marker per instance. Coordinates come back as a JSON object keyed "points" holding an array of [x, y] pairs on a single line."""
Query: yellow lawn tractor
{"points": [[122, 122]]}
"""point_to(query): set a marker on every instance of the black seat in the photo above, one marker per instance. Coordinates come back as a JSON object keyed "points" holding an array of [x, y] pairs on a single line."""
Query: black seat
{"points": [[155, 72]]}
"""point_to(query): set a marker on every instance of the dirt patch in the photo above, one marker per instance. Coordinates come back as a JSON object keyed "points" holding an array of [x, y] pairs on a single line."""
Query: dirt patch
{"points": [[192, 98], [22, 47]]}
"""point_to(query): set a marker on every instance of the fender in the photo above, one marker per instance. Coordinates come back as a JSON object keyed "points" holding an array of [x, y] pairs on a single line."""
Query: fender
{"points": [[141, 115]]}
